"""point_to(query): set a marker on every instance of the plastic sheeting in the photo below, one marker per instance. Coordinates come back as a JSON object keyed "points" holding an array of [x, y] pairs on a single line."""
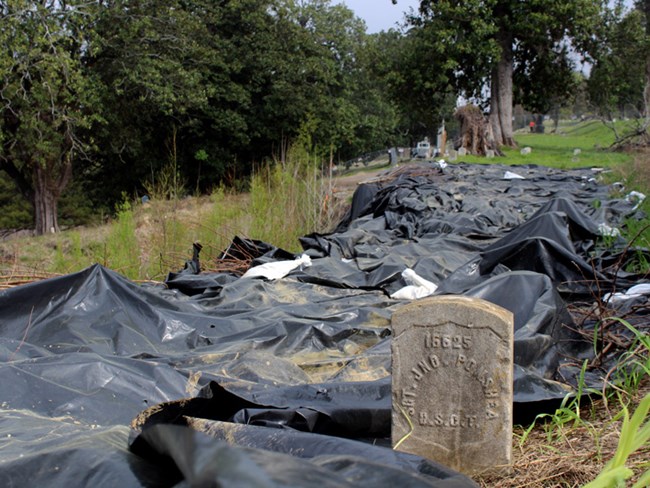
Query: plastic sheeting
{"points": [[250, 382]]}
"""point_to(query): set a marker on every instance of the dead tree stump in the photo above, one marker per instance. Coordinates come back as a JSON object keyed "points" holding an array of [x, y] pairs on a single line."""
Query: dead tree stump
{"points": [[475, 131]]}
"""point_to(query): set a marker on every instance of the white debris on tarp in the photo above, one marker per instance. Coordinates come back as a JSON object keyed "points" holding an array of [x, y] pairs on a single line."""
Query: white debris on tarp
{"points": [[635, 197], [633, 292], [607, 231], [442, 164], [417, 287], [277, 269], [618, 186], [509, 175]]}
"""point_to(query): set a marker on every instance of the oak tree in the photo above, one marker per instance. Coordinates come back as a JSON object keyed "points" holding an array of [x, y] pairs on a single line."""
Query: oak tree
{"points": [[46, 99], [483, 42]]}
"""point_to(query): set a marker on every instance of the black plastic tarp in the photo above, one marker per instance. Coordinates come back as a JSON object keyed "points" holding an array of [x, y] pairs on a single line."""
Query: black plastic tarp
{"points": [[215, 378]]}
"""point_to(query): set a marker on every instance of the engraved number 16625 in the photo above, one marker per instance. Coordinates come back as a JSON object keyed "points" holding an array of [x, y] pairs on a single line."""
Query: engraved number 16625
{"points": [[447, 341]]}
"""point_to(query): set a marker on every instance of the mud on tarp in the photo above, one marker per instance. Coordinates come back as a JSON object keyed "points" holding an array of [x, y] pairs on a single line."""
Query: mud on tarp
{"points": [[287, 382]]}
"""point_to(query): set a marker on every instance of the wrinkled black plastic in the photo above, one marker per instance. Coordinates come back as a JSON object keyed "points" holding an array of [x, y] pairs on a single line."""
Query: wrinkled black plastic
{"points": [[287, 383]]}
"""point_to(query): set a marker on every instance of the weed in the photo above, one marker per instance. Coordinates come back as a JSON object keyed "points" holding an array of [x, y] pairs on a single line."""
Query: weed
{"points": [[410, 424], [634, 364], [567, 413], [635, 433], [223, 215], [68, 253], [122, 252], [289, 200], [166, 184]]}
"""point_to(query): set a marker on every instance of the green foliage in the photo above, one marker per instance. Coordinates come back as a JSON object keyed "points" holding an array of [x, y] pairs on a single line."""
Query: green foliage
{"points": [[48, 99], [634, 365], [635, 433], [16, 211], [289, 200], [234, 81], [617, 79], [466, 36], [222, 221], [76, 208], [504, 40], [122, 252], [410, 69], [569, 412], [632, 370], [166, 184], [69, 254]]}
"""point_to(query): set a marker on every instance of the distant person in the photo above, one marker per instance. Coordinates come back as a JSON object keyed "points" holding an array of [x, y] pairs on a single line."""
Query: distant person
{"points": [[532, 126]]}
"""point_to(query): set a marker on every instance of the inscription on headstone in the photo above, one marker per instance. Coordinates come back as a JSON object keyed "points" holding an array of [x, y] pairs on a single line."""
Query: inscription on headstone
{"points": [[452, 382]]}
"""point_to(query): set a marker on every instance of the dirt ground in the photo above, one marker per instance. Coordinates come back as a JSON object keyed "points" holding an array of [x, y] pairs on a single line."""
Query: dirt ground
{"points": [[347, 183]]}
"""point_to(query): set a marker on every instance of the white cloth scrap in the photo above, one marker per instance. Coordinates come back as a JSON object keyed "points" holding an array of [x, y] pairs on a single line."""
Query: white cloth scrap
{"points": [[635, 197], [633, 292], [607, 231], [277, 269], [416, 287], [509, 175]]}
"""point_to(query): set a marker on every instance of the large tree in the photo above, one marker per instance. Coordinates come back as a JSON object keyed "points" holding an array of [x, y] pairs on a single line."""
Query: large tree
{"points": [[417, 80], [167, 74], [619, 82], [232, 81], [483, 42], [617, 79], [327, 43], [46, 99], [643, 6]]}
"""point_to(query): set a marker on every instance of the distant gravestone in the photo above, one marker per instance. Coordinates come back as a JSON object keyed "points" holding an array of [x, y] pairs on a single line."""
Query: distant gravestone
{"points": [[462, 151], [452, 382], [526, 150], [489, 153]]}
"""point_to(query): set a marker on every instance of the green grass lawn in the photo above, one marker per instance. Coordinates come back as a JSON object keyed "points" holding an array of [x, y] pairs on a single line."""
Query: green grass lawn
{"points": [[557, 150]]}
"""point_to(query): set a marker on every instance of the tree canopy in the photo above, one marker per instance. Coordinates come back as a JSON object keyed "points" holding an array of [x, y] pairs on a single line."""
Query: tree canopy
{"points": [[96, 98], [47, 99], [488, 44]]}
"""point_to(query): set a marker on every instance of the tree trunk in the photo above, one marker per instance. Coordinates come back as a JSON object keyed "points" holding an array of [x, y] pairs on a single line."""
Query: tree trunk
{"points": [[47, 191], [646, 92], [475, 132], [501, 94]]}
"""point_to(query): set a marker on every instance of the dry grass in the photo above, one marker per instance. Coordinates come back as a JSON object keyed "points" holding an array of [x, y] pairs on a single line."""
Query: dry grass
{"points": [[636, 174], [14, 275], [157, 237], [570, 455]]}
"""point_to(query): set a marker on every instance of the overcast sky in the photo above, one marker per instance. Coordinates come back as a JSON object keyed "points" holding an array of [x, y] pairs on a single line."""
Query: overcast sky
{"points": [[380, 14]]}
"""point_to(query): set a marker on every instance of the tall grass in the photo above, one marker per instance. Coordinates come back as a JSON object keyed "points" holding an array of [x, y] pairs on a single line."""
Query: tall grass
{"points": [[224, 217], [289, 199], [122, 252], [635, 434], [147, 240]]}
